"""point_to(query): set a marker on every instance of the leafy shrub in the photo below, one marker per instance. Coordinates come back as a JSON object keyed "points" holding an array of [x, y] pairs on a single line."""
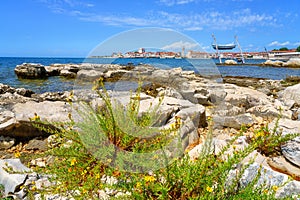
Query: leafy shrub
{"points": [[81, 168]]}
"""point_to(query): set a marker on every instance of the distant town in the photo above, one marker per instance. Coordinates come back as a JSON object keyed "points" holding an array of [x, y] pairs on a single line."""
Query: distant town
{"points": [[142, 53]]}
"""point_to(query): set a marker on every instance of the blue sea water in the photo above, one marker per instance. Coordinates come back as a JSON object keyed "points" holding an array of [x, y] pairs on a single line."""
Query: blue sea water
{"points": [[204, 67]]}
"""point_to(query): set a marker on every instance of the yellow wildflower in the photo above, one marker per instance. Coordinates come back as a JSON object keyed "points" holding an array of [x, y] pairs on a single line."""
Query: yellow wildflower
{"points": [[275, 187], [97, 176], [209, 189], [177, 122], [84, 191], [69, 169], [73, 161], [259, 134], [172, 126], [17, 154], [149, 178], [35, 117], [84, 172], [33, 188], [138, 185]]}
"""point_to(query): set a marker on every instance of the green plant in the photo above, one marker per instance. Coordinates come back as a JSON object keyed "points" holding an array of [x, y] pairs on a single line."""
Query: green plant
{"points": [[81, 162], [96, 144], [268, 141]]}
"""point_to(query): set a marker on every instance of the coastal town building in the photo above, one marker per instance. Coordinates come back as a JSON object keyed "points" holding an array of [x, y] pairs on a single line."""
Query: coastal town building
{"points": [[286, 54], [274, 54]]}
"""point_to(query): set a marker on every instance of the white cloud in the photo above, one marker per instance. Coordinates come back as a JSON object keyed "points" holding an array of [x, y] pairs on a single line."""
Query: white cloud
{"points": [[119, 21], [297, 43], [194, 28], [180, 2], [175, 2], [193, 21], [217, 20], [276, 43], [179, 45]]}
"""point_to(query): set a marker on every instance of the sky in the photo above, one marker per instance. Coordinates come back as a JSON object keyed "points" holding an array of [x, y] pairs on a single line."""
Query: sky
{"points": [[75, 28]]}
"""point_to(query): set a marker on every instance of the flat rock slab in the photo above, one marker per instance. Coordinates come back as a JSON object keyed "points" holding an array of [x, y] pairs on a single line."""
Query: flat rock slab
{"points": [[8, 178], [280, 164], [47, 110], [290, 150], [17, 122], [291, 93]]}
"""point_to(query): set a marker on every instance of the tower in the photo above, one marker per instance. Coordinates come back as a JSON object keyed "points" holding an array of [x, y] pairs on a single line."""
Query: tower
{"points": [[182, 52]]}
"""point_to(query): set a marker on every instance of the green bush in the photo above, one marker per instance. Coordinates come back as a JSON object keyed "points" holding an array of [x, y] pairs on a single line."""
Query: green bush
{"points": [[80, 164]]}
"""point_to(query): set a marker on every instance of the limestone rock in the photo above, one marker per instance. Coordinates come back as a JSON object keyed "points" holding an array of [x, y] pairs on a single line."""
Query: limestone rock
{"points": [[280, 164], [53, 70], [52, 96], [6, 142], [292, 62], [89, 75], [31, 71], [267, 178], [290, 189], [275, 63], [245, 97], [291, 93], [7, 121], [67, 74], [16, 123], [6, 89], [270, 112], [37, 145], [230, 62], [236, 121], [11, 181], [52, 111], [10, 95], [290, 150], [24, 92]]}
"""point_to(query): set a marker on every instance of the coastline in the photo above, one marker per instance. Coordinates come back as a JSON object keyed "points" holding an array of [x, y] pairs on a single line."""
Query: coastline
{"points": [[187, 96]]}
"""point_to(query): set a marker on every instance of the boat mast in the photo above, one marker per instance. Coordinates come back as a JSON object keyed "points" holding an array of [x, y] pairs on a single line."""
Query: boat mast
{"points": [[215, 40], [237, 42]]}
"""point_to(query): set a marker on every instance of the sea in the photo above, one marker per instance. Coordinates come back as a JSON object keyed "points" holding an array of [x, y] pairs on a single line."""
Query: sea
{"points": [[205, 67]]}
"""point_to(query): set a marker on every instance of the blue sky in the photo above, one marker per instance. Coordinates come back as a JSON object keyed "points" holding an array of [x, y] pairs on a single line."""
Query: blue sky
{"points": [[73, 28]]}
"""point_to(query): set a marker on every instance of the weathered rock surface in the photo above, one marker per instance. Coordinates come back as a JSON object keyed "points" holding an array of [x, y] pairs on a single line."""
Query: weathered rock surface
{"points": [[276, 63], [291, 95], [292, 63], [9, 180], [89, 75], [67, 74], [185, 96], [280, 164], [17, 121], [10, 95], [230, 62], [36, 144], [31, 71], [290, 150], [6, 142]]}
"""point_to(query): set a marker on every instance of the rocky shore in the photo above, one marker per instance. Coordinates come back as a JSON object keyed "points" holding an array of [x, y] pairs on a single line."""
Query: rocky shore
{"points": [[232, 104], [291, 63]]}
